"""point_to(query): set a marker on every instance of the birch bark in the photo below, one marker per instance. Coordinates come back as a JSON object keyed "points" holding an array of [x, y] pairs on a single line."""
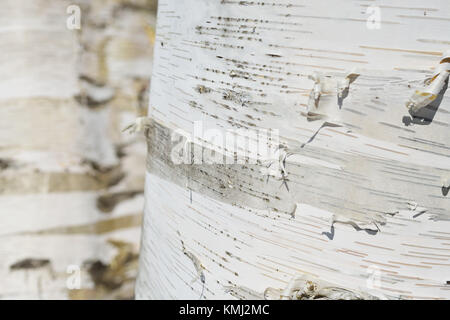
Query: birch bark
{"points": [[354, 205], [71, 185]]}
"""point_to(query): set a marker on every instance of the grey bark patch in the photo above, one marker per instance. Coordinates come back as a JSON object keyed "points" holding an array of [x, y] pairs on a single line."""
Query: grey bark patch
{"points": [[355, 193], [5, 164], [113, 275], [107, 202], [109, 176], [99, 274], [30, 263]]}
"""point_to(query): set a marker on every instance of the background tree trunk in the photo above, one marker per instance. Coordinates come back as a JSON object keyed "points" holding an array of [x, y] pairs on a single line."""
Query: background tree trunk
{"points": [[71, 184]]}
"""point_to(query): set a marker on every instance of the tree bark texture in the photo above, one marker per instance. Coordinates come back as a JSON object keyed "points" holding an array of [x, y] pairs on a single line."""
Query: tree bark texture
{"points": [[359, 206], [71, 184]]}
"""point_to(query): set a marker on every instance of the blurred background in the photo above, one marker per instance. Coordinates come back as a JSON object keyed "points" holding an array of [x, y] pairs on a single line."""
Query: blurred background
{"points": [[74, 74]]}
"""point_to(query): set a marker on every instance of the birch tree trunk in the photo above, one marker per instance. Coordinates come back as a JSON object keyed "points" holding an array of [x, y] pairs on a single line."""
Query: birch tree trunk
{"points": [[71, 185], [351, 201]]}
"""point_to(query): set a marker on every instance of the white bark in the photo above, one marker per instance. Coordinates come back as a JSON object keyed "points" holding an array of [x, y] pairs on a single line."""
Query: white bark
{"points": [[70, 182], [359, 207]]}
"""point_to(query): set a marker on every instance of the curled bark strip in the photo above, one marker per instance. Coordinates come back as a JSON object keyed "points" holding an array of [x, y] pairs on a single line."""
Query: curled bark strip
{"points": [[433, 86]]}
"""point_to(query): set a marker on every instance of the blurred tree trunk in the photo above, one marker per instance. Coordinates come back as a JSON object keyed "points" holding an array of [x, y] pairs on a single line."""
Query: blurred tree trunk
{"points": [[71, 183]]}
